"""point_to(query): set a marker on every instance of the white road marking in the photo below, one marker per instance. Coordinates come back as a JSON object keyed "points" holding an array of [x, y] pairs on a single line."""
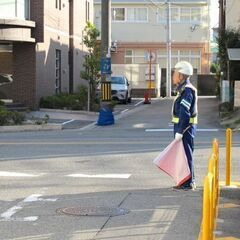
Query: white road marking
{"points": [[16, 174], [11, 211], [79, 175], [37, 198], [124, 111], [138, 103], [170, 130], [158, 130], [8, 215], [72, 120], [207, 130]]}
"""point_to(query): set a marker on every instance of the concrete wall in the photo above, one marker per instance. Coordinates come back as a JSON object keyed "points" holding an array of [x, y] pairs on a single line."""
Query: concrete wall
{"points": [[138, 76]]}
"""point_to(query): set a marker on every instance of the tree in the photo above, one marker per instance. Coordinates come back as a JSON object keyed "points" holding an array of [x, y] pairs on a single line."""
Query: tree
{"points": [[229, 38], [92, 60]]}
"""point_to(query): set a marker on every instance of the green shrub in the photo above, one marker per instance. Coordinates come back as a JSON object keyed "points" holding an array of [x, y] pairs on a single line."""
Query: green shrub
{"points": [[18, 117], [9, 117], [76, 101], [41, 121], [5, 116]]}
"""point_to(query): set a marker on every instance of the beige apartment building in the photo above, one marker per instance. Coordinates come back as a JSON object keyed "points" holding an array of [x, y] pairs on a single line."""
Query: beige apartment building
{"points": [[41, 46], [140, 27]]}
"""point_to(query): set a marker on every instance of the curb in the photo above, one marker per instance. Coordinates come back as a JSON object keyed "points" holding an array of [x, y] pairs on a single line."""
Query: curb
{"points": [[68, 111], [22, 128]]}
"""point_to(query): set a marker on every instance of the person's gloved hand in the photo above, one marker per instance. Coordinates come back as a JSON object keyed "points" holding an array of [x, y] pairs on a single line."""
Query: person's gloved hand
{"points": [[178, 136]]}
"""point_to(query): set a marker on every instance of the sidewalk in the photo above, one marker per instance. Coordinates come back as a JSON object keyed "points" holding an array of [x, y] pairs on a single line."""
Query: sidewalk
{"points": [[228, 224]]}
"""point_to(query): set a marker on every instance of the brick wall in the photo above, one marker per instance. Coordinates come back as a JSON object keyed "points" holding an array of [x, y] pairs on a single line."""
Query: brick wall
{"points": [[24, 74], [37, 15]]}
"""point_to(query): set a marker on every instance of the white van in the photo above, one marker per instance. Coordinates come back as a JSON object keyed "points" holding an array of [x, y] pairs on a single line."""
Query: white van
{"points": [[121, 89]]}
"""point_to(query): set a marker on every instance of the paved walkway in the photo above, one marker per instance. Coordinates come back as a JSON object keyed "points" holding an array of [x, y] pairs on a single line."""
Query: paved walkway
{"points": [[228, 224]]}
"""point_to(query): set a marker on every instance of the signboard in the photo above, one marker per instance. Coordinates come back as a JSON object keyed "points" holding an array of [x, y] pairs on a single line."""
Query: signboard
{"points": [[225, 91], [147, 74], [148, 56], [237, 94], [106, 65]]}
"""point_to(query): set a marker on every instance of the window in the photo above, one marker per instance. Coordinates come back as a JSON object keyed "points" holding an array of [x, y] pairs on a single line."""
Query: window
{"points": [[58, 4], [175, 14], [118, 14], [192, 56], [137, 14], [129, 56], [196, 14], [58, 72], [87, 6], [135, 56], [161, 15], [130, 14], [181, 15], [185, 14], [14, 9]]}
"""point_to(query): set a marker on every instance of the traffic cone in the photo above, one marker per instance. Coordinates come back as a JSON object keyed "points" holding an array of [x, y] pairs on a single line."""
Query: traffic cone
{"points": [[146, 98]]}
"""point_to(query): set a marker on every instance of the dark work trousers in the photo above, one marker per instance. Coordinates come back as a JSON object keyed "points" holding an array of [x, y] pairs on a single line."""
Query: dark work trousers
{"points": [[188, 143]]}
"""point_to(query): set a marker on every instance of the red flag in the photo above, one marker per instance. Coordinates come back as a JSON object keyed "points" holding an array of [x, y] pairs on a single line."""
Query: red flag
{"points": [[173, 161]]}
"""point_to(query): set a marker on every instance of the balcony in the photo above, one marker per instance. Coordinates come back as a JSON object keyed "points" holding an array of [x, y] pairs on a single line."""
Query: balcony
{"points": [[14, 21]]}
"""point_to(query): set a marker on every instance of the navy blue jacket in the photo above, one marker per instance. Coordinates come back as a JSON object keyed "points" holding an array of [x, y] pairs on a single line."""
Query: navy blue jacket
{"points": [[184, 110]]}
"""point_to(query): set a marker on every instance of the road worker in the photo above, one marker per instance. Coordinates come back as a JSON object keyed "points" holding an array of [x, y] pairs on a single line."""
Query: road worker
{"points": [[184, 115]]}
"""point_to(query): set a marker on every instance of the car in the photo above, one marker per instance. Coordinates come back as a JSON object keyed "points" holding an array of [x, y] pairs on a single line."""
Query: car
{"points": [[120, 89]]}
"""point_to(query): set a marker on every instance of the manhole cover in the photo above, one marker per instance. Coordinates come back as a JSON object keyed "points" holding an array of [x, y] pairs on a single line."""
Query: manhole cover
{"points": [[93, 211]]}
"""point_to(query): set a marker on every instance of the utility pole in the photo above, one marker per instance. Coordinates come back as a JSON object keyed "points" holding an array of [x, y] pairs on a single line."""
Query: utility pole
{"points": [[169, 51], [105, 114], [105, 32]]}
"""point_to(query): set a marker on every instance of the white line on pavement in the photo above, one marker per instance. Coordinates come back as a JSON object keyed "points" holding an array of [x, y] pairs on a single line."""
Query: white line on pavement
{"points": [[170, 130], [138, 103], [79, 175], [72, 120], [124, 111], [16, 174], [8, 215]]}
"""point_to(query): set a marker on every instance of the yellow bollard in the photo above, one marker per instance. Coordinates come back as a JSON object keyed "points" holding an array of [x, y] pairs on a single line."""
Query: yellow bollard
{"points": [[207, 224], [206, 211], [228, 156]]}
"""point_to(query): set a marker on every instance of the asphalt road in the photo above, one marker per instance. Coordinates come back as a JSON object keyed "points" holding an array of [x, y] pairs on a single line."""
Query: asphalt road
{"points": [[85, 170]]}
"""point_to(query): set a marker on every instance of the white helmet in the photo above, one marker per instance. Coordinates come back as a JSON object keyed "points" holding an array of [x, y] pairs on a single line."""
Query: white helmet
{"points": [[184, 68]]}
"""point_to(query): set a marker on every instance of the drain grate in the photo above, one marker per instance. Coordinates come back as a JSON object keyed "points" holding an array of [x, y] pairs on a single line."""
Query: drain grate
{"points": [[93, 211]]}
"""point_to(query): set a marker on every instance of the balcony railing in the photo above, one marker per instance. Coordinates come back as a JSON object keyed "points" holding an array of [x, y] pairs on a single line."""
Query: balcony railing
{"points": [[15, 9]]}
